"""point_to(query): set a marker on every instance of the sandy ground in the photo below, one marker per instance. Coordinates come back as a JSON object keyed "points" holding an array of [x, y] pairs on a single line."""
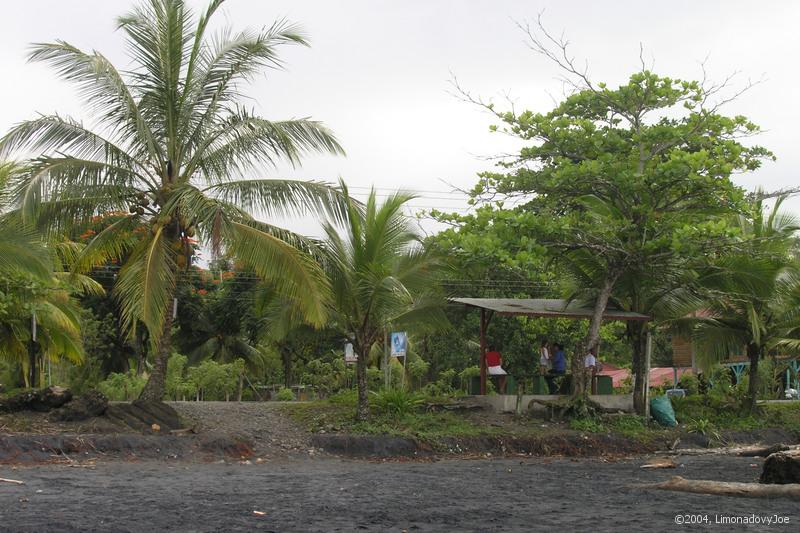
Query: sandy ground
{"points": [[326, 494], [262, 423]]}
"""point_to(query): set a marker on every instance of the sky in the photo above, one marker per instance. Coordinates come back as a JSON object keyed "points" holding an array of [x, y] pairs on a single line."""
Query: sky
{"points": [[378, 73]]}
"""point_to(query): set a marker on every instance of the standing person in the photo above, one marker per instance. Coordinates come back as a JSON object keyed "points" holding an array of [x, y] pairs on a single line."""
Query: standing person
{"points": [[592, 366], [544, 357], [494, 366], [559, 367], [590, 361]]}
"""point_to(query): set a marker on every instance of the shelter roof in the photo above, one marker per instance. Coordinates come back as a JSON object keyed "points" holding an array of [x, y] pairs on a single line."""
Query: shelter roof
{"points": [[541, 307]]}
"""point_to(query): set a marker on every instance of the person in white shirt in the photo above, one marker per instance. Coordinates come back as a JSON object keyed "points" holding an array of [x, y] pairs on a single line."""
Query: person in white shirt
{"points": [[590, 361], [544, 358], [593, 366]]}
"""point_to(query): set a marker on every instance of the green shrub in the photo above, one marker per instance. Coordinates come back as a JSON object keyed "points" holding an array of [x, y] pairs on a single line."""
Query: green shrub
{"points": [[215, 381], [690, 383], [591, 425], [374, 378], [417, 369], [629, 425], [177, 386], [466, 375], [348, 397], [327, 377], [122, 387], [396, 402], [285, 395], [720, 379]]}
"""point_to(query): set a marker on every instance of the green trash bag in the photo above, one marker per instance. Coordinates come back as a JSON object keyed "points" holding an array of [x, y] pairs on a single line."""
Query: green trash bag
{"points": [[661, 409]]}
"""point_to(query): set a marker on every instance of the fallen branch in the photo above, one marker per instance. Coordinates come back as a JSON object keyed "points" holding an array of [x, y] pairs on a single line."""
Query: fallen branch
{"points": [[660, 463], [183, 431], [763, 451], [742, 451], [723, 488], [13, 481]]}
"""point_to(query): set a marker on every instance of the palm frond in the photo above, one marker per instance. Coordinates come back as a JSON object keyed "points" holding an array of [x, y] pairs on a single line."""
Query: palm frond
{"points": [[22, 250], [281, 198], [291, 272], [146, 283], [104, 90]]}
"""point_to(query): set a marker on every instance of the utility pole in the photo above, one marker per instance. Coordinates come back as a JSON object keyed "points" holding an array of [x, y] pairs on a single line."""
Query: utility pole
{"points": [[32, 353], [386, 374]]}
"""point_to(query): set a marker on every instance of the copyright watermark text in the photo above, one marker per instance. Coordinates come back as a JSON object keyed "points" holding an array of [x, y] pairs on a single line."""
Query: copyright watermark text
{"points": [[721, 519]]}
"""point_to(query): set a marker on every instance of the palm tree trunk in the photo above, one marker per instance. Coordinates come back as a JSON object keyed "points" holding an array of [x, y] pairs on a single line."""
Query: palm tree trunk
{"points": [[138, 348], [362, 411], [155, 387], [754, 354], [286, 355]]}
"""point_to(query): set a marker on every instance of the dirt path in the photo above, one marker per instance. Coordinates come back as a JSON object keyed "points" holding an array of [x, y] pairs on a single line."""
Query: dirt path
{"points": [[337, 495], [271, 432]]}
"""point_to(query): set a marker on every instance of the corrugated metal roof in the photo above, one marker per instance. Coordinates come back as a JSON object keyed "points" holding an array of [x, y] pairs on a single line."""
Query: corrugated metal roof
{"points": [[545, 308]]}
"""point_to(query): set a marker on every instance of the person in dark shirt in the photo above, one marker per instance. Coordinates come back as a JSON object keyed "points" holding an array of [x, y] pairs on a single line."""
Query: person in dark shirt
{"points": [[559, 367]]}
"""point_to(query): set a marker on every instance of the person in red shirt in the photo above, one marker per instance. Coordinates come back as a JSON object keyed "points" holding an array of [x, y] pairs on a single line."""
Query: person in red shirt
{"points": [[494, 367]]}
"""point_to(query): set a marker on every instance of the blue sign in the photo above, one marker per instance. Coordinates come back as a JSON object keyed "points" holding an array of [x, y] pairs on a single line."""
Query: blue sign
{"points": [[399, 344]]}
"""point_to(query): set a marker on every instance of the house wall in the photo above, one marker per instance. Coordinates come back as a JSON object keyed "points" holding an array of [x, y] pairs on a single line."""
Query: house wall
{"points": [[682, 352]]}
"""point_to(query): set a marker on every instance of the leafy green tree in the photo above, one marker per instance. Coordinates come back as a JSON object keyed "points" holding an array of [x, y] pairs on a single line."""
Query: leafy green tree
{"points": [[171, 145], [380, 275], [218, 323], [749, 298], [637, 177]]}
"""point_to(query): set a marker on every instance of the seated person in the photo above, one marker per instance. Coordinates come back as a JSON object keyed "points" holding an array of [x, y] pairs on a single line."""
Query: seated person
{"points": [[494, 362], [559, 367]]}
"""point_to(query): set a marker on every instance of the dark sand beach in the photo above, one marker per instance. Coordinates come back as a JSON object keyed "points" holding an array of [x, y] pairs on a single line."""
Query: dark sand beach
{"points": [[332, 494]]}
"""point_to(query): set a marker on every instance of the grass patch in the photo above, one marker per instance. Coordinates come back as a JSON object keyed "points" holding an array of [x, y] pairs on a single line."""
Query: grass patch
{"points": [[724, 413], [336, 415], [404, 415]]}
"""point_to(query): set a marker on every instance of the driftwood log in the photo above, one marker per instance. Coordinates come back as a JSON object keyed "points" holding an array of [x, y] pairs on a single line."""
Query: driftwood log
{"points": [[92, 403], [554, 410], [782, 468], [741, 451], [36, 400], [722, 488], [763, 451]]}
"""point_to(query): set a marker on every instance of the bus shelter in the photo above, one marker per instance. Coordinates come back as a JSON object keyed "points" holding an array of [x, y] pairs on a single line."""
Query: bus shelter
{"points": [[543, 308]]}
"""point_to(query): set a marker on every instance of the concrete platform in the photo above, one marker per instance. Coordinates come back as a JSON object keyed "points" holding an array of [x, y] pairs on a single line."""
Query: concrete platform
{"points": [[507, 403]]}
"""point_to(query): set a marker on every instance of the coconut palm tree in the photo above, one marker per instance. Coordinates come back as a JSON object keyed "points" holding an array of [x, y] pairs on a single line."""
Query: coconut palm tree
{"points": [[750, 299], [170, 145], [57, 317], [35, 288], [380, 276]]}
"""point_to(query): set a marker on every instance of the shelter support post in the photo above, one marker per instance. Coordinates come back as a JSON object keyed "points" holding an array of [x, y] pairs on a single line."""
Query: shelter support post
{"points": [[483, 352], [485, 319]]}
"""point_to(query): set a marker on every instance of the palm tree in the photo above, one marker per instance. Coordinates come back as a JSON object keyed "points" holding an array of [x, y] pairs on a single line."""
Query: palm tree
{"points": [[750, 299], [380, 276], [57, 317], [35, 288], [170, 146]]}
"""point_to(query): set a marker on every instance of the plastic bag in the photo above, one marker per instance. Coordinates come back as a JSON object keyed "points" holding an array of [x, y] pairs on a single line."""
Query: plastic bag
{"points": [[661, 409]]}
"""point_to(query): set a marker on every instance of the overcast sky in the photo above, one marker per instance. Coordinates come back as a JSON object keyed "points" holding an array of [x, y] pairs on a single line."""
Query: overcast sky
{"points": [[377, 73]]}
